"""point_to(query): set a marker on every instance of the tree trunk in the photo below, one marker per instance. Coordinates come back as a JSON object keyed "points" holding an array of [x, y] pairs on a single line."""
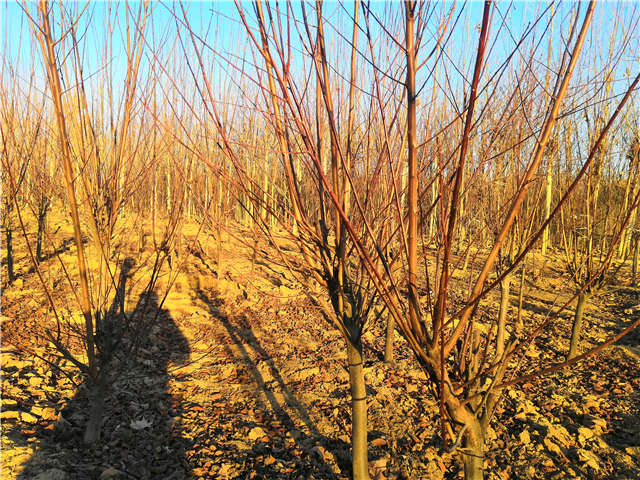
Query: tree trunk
{"points": [[388, 344], [432, 215], [549, 176], [577, 325], [502, 318], [219, 252], [635, 261], [465, 265], [254, 254], [188, 190], [97, 393], [10, 274], [42, 215], [168, 188], [358, 411], [519, 322], [546, 242], [473, 456]]}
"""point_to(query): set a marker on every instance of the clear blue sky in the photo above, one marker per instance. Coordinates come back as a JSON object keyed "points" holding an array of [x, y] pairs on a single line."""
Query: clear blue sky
{"points": [[219, 23]]}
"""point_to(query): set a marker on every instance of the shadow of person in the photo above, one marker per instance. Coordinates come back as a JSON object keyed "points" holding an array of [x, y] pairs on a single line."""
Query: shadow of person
{"points": [[141, 437], [272, 412]]}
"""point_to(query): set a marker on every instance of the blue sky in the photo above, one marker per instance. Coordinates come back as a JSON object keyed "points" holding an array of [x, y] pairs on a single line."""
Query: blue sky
{"points": [[219, 24]]}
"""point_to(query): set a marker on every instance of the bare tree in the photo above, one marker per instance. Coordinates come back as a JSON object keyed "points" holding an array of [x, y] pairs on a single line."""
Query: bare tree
{"points": [[100, 174]]}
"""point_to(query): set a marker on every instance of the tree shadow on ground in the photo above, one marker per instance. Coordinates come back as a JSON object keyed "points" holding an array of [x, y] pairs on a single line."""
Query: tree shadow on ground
{"points": [[141, 438], [626, 312], [65, 246], [624, 424], [285, 451], [541, 306], [623, 436]]}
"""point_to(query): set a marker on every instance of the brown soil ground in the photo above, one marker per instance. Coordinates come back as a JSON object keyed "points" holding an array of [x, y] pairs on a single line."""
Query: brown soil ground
{"points": [[241, 378]]}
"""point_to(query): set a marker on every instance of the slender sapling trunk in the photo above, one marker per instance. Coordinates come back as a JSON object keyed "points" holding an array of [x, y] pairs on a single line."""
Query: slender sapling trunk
{"points": [[358, 410], [577, 325], [388, 344], [502, 317]]}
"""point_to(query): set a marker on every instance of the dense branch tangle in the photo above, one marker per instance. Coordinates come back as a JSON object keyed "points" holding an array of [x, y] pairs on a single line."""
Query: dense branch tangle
{"points": [[362, 237], [404, 170], [101, 147]]}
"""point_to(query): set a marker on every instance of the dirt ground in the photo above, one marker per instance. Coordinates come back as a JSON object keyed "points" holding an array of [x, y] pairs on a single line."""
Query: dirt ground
{"points": [[240, 377]]}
